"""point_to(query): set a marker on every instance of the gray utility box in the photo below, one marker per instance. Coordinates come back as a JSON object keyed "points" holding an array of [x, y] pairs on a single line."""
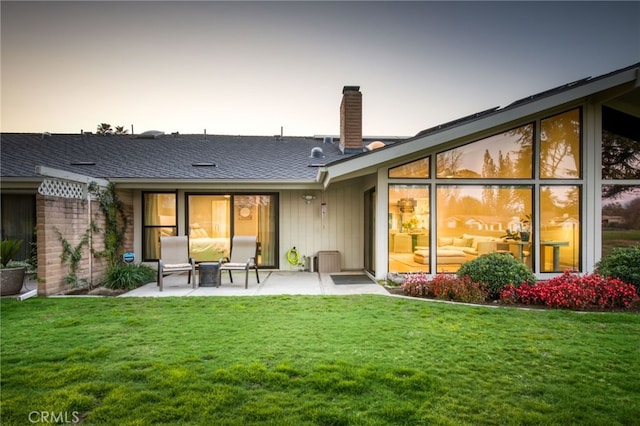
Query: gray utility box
{"points": [[329, 261], [209, 274]]}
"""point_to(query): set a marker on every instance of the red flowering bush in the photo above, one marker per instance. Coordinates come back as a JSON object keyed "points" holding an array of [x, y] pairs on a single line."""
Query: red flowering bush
{"points": [[572, 291], [459, 289], [445, 287]]}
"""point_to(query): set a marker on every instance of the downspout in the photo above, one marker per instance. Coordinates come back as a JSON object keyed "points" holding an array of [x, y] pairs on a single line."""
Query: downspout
{"points": [[90, 236]]}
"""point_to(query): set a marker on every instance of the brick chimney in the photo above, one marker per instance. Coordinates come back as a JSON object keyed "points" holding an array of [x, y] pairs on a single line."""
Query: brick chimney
{"points": [[351, 119]]}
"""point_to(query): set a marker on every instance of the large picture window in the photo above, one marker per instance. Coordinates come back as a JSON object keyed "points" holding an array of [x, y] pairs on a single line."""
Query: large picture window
{"points": [[517, 193], [475, 219]]}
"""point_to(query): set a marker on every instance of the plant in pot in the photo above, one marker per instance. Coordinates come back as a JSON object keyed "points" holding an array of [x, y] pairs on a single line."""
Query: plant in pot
{"points": [[11, 275], [523, 231], [525, 228]]}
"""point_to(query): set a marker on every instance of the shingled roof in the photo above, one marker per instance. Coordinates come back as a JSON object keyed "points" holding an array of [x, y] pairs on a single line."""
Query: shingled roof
{"points": [[168, 157]]}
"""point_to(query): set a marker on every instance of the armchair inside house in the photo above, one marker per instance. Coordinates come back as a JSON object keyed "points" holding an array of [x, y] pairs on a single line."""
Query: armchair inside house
{"points": [[244, 250], [174, 258]]}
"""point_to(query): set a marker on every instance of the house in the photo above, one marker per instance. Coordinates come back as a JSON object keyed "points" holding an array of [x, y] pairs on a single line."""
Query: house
{"points": [[375, 201]]}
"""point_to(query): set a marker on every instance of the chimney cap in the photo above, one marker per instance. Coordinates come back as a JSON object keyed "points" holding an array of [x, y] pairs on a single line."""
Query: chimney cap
{"points": [[350, 89]]}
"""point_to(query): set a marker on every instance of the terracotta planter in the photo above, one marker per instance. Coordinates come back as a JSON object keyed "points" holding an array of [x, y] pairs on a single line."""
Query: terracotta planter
{"points": [[11, 280]]}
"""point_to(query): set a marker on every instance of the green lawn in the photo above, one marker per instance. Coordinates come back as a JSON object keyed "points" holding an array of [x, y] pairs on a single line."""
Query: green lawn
{"points": [[619, 238], [314, 360]]}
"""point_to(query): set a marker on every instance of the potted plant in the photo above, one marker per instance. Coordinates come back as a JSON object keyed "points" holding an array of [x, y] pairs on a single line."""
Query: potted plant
{"points": [[11, 276], [525, 228], [523, 231]]}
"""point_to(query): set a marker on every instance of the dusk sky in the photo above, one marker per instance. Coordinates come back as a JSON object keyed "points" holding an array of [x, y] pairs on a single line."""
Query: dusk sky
{"points": [[246, 68]]}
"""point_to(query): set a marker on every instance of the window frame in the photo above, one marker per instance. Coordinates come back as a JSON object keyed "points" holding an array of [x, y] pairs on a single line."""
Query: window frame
{"points": [[145, 227]]}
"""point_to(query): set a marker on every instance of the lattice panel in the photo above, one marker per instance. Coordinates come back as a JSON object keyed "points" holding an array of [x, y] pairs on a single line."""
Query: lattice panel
{"points": [[61, 188]]}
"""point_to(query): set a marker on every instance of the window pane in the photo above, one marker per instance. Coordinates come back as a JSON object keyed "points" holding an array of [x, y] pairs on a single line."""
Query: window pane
{"points": [[620, 217], [160, 209], [507, 155], [415, 169], [408, 228], [152, 240], [560, 146], [620, 145], [256, 215], [559, 228], [209, 227], [159, 213], [473, 220]]}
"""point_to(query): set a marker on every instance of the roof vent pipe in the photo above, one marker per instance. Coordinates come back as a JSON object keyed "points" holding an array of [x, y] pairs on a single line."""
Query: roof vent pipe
{"points": [[317, 152]]}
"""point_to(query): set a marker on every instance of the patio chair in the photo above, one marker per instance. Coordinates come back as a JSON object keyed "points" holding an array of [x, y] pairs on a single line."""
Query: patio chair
{"points": [[174, 258], [244, 250]]}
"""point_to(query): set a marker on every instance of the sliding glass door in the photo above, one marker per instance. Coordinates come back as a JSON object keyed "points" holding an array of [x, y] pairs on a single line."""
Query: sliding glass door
{"points": [[213, 219]]}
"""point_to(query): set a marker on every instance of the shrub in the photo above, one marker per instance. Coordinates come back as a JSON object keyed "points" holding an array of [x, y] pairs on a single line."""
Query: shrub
{"points": [[128, 277], [622, 263], [459, 289], [445, 287], [571, 291], [416, 285], [496, 270]]}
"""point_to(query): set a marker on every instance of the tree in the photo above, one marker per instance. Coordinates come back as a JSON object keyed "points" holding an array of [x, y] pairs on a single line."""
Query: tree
{"points": [[488, 166], [106, 129]]}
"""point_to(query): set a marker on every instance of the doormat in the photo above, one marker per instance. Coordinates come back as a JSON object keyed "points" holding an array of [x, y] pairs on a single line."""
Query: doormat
{"points": [[351, 279]]}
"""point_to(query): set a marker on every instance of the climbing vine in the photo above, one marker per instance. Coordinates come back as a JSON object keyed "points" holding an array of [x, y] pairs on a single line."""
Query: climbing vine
{"points": [[71, 256], [116, 222]]}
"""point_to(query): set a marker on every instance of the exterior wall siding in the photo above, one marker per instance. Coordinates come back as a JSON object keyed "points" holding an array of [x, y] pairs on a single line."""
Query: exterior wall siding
{"points": [[304, 226]]}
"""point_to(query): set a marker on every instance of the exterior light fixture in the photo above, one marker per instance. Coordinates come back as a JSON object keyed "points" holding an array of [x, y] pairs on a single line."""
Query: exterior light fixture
{"points": [[308, 198]]}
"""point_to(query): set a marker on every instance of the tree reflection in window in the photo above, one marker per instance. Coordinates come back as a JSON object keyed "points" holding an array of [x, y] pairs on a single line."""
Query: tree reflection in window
{"points": [[415, 169], [503, 156], [620, 150], [560, 146]]}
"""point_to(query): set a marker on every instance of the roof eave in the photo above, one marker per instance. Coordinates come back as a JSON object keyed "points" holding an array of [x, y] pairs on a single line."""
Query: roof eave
{"points": [[214, 184]]}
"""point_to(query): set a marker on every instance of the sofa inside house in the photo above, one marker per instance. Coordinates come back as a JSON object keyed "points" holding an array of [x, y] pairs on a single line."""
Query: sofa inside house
{"points": [[460, 249]]}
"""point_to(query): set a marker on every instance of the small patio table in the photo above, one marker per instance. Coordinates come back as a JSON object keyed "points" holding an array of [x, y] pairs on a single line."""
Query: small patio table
{"points": [[209, 274]]}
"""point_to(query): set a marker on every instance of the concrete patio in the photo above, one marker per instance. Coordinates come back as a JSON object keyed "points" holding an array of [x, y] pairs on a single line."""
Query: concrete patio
{"points": [[271, 283]]}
